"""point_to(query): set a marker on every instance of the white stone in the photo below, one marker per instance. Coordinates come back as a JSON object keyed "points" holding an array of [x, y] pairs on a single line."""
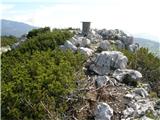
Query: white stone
{"points": [[69, 45], [107, 60], [133, 47], [101, 81], [103, 111], [128, 112], [86, 51], [141, 91], [120, 73], [119, 44], [76, 40], [104, 45], [85, 42]]}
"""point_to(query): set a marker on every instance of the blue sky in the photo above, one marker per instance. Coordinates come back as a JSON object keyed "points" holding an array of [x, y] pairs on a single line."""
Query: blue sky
{"points": [[134, 16]]}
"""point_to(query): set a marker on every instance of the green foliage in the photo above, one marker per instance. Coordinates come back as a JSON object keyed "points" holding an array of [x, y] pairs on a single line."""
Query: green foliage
{"points": [[36, 32], [129, 81], [8, 40], [34, 85], [46, 40], [153, 94]]}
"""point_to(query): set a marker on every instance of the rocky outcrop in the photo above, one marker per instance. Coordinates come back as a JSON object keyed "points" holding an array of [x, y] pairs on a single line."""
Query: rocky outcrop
{"points": [[105, 45], [107, 61], [113, 87], [141, 92], [120, 74], [86, 51], [68, 45], [119, 44], [133, 47], [103, 111], [122, 40]]}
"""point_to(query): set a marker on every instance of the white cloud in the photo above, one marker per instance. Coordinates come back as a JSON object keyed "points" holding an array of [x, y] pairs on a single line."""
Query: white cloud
{"points": [[135, 16], [4, 8]]}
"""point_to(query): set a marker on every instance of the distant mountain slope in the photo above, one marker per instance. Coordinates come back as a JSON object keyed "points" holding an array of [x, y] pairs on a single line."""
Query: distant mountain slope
{"points": [[17, 29], [153, 46]]}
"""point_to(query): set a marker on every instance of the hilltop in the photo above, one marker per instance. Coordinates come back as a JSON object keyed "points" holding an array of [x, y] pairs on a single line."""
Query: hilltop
{"points": [[73, 74]]}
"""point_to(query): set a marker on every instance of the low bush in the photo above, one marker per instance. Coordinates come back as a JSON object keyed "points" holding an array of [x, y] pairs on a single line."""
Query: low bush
{"points": [[34, 85]]}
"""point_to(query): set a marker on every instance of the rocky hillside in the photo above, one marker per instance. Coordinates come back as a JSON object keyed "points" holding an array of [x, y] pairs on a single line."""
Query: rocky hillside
{"points": [[112, 89], [102, 75]]}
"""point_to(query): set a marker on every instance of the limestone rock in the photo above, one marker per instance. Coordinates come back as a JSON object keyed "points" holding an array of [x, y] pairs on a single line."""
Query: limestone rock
{"points": [[141, 91], [128, 112], [120, 73], [138, 108], [107, 60], [133, 47], [86, 51], [119, 44], [127, 40], [85, 42], [69, 45], [103, 111], [76, 40], [101, 81], [94, 37], [104, 45]]}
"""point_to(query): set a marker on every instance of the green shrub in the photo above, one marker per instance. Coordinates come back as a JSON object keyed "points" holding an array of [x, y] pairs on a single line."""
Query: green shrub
{"points": [[37, 76], [36, 32], [45, 41], [129, 81], [8, 40]]}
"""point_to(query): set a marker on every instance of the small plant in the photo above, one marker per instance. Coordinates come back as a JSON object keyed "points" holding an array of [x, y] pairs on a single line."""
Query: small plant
{"points": [[153, 94], [129, 81]]}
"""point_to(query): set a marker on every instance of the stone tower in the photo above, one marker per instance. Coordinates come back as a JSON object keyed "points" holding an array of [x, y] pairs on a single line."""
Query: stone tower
{"points": [[85, 28]]}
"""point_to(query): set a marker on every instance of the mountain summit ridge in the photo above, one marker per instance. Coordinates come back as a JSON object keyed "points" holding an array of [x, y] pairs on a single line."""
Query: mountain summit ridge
{"points": [[9, 27]]}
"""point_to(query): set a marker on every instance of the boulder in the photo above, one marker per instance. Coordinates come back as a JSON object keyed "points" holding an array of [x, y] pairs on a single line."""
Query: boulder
{"points": [[101, 81], [128, 112], [69, 45], [104, 33], [86, 51], [127, 40], [85, 42], [108, 60], [94, 37], [138, 108], [103, 111], [142, 106], [119, 44], [141, 92], [133, 47], [76, 40], [104, 45], [120, 74], [129, 96]]}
